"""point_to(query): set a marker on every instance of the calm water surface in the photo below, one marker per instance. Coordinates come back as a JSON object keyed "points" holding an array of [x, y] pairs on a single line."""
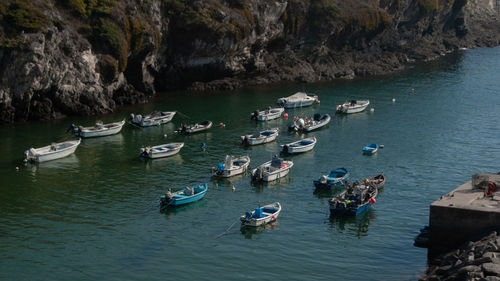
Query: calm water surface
{"points": [[95, 215]]}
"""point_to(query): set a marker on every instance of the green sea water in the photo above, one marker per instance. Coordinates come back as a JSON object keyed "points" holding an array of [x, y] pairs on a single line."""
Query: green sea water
{"points": [[95, 215]]}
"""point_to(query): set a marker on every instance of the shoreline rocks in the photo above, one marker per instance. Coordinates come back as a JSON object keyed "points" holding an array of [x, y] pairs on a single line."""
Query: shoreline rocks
{"points": [[474, 261]]}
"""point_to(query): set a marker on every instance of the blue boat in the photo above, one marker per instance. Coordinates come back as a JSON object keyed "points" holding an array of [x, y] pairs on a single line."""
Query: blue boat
{"points": [[372, 148], [185, 196], [336, 178], [356, 199]]}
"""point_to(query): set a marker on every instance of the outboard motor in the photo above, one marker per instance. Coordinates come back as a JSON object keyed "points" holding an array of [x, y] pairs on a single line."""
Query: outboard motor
{"points": [[137, 119], [255, 115], [244, 140], [317, 117]]}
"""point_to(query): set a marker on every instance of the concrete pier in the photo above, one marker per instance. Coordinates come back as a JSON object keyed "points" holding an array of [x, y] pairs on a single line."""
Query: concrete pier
{"points": [[462, 215]]}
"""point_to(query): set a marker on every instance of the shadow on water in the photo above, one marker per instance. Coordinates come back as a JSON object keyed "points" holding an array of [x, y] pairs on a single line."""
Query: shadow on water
{"points": [[172, 211], [357, 225], [326, 192], [249, 231], [276, 184]]}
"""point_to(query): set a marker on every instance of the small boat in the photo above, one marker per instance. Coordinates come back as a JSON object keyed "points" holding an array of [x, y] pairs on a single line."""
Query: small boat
{"points": [[378, 181], [268, 114], [272, 170], [370, 149], [353, 106], [307, 125], [152, 119], [334, 179], [261, 215], [232, 166], [194, 128], [51, 152], [354, 200], [300, 146], [99, 130], [162, 150], [298, 99], [260, 137], [185, 196]]}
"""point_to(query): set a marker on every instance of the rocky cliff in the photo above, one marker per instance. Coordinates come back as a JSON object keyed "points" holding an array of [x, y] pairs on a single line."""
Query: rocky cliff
{"points": [[67, 57]]}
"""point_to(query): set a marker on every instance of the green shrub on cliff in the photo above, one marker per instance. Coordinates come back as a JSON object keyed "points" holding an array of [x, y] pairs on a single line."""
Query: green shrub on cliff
{"points": [[322, 13], [21, 15], [427, 6]]}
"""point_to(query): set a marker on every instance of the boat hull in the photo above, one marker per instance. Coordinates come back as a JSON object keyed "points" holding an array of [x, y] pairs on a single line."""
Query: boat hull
{"points": [[273, 114], [51, 155], [292, 148], [274, 211], [268, 176], [156, 151], [234, 170], [179, 199], [148, 121], [298, 104], [88, 133], [321, 124]]}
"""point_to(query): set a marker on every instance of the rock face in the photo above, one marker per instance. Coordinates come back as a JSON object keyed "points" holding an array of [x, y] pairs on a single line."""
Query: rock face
{"points": [[478, 260], [67, 57]]}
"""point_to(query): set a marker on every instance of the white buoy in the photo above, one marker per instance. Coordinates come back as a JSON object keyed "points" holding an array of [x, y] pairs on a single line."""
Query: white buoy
{"points": [[381, 146], [165, 135], [17, 169], [372, 109], [234, 188], [393, 100]]}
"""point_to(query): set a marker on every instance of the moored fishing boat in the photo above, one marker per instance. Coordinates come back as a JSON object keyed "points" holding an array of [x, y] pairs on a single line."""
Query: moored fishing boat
{"points": [[307, 125], [232, 166], [272, 170], [353, 106], [51, 152], [185, 196], [99, 130], [261, 215], [334, 179], [300, 146], [162, 150], [354, 200], [194, 128], [152, 119], [260, 137], [378, 181], [268, 114], [370, 149], [298, 99]]}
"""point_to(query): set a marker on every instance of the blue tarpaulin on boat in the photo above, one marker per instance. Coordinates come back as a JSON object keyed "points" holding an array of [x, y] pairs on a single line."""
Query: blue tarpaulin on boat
{"points": [[258, 213]]}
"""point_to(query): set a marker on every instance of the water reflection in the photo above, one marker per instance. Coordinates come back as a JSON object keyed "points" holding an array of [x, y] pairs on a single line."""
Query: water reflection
{"points": [[107, 140], [173, 211], [357, 225], [70, 162], [161, 162], [260, 185], [249, 231]]}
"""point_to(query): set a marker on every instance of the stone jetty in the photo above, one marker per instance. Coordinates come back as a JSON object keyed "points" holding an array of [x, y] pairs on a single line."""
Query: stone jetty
{"points": [[478, 260]]}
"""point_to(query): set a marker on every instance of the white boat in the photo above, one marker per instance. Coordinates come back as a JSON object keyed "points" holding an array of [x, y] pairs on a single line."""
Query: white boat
{"points": [[51, 152], [261, 215], [268, 114], [272, 170], [162, 150], [307, 125], [299, 99], [299, 146], [232, 166], [194, 128], [99, 130], [155, 118], [260, 137], [353, 106]]}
